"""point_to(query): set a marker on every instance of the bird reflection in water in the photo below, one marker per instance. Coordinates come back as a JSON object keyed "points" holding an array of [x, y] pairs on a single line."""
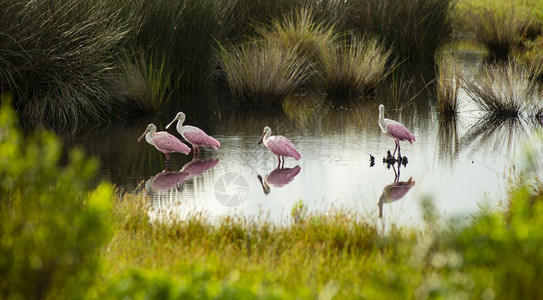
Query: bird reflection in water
{"points": [[167, 180], [396, 190], [278, 177]]}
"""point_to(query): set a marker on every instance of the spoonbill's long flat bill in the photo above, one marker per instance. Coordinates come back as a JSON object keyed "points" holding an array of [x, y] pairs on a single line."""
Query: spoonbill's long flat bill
{"points": [[278, 145], [164, 142], [395, 130], [194, 135]]}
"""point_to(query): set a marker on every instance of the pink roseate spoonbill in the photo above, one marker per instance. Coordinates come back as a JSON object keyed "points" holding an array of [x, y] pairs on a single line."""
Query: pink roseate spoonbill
{"points": [[194, 135], [395, 130], [164, 142], [278, 145]]}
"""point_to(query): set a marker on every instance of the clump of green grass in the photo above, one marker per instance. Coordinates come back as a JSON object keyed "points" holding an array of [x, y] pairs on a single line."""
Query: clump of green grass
{"points": [[352, 68], [448, 86], [299, 31], [145, 83], [262, 73], [503, 90], [415, 29], [57, 58], [499, 27]]}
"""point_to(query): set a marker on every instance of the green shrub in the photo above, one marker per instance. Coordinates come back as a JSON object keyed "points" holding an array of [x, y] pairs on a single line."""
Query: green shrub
{"points": [[51, 225]]}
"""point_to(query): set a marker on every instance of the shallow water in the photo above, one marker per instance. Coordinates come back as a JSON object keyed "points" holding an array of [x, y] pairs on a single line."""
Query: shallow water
{"points": [[460, 164]]}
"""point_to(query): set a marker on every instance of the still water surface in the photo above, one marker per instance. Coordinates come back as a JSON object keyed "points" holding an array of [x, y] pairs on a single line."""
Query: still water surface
{"points": [[460, 164]]}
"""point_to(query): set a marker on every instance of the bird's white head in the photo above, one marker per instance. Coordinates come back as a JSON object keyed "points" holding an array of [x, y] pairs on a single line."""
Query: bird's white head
{"points": [[151, 128], [179, 117], [265, 134]]}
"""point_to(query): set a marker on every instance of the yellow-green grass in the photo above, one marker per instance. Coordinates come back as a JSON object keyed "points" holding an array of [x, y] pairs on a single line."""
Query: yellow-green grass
{"points": [[448, 82], [145, 83], [262, 72], [350, 68], [499, 26]]}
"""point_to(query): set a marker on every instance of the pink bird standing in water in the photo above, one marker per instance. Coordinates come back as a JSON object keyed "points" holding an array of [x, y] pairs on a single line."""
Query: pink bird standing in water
{"points": [[194, 135], [394, 130], [164, 142], [278, 145]]}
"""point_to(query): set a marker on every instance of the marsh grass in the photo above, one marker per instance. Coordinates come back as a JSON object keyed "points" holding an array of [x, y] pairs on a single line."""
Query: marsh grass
{"points": [[500, 27], [262, 73], [57, 58], [502, 90], [448, 85], [299, 30], [145, 84], [415, 29], [352, 67], [280, 260]]}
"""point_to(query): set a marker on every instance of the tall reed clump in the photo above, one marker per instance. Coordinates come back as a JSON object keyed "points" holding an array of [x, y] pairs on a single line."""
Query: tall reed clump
{"points": [[145, 83], [448, 85], [299, 30], [57, 58], [262, 73], [415, 29], [52, 225], [503, 89], [352, 67], [499, 27]]}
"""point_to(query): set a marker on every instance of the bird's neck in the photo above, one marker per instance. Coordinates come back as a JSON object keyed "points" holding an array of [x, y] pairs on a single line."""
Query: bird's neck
{"points": [[180, 125], [149, 137], [266, 137], [381, 116]]}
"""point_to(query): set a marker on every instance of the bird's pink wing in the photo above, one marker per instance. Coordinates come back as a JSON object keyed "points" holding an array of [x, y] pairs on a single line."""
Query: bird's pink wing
{"points": [[168, 143], [198, 137], [398, 131], [280, 145]]}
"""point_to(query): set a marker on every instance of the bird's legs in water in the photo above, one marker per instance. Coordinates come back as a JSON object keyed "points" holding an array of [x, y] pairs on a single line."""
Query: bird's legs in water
{"points": [[195, 149], [279, 161]]}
